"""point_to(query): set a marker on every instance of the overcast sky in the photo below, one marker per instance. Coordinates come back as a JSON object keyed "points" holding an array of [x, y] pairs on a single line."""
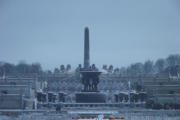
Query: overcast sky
{"points": [[121, 31]]}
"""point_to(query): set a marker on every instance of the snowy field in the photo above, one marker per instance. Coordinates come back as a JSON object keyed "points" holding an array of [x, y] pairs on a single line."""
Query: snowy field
{"points": [[69, 117], [127, 114]]}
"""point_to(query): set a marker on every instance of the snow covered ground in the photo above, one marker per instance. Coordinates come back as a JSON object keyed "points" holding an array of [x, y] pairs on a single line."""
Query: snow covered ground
{"points": [[59, 116], [69, 117]]}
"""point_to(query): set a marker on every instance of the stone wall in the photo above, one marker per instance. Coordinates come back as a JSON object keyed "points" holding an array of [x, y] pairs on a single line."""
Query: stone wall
{"points": [[154, 85], [15, 89], [11, 101], [72, 83], [19, 81]]}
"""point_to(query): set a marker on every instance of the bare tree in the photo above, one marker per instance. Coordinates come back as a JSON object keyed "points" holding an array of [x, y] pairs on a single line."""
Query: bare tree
{"points": [[110, 69], [68, 67], [160, 65], [56, 71], [148, 67], [22, 68], [7, 68], [36, 68], [173, 60], [136, 68]]}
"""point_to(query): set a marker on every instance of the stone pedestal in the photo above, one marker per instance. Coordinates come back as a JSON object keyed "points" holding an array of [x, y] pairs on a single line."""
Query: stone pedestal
{"points": [[90, 97], [61, 97]]}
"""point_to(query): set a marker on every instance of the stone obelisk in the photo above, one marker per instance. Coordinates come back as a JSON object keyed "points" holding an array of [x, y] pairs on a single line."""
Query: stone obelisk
{"points": [[89, 78], [86, 49]]}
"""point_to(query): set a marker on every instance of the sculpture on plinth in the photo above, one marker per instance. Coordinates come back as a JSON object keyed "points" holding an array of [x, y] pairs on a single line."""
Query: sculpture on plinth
{"points": [[90, 74], [89, 78]]}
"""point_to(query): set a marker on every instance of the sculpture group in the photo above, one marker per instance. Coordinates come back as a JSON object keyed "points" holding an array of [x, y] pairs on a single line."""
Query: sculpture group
{"points": [[90, 82], [90, 75]]}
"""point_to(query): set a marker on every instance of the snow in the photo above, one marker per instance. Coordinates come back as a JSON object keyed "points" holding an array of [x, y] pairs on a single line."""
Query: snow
{"points": [[126, 114]]}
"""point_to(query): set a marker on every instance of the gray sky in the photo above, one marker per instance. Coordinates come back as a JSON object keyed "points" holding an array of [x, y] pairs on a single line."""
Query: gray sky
{"points": [[121, 31]]}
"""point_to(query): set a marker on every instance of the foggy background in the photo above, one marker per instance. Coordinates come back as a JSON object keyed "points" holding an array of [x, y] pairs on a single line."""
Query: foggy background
{"points": [[121, 31]]}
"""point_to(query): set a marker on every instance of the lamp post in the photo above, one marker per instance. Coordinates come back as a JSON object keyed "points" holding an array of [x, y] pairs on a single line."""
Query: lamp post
{"points": [[129, 86]]}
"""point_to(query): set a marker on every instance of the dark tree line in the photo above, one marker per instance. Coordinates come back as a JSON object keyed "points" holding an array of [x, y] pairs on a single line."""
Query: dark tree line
{"points": [[23, 68], [20, 68], [169, 65]]}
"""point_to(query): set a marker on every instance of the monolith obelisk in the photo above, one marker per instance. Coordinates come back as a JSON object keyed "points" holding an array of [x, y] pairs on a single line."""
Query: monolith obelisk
{"points": [[86, 49], [89, 78]]}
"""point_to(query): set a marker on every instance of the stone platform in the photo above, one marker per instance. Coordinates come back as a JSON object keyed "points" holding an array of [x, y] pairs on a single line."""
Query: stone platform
{"points": [[90, 97]]}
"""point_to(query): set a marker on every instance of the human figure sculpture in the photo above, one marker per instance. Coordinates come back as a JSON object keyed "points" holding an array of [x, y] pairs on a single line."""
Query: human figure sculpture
{"points": [[90, 82], [90, 74], [95, 83]]}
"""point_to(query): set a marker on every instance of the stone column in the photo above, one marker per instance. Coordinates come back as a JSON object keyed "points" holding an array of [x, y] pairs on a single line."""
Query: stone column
{"points": [[86, 48]]}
